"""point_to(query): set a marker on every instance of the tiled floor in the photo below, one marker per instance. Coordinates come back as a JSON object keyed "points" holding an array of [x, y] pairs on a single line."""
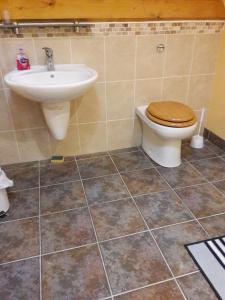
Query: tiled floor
{"points": [[110, 226]]}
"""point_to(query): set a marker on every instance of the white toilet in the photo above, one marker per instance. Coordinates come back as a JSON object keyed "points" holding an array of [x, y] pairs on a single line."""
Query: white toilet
{"points": [[165, 125]]}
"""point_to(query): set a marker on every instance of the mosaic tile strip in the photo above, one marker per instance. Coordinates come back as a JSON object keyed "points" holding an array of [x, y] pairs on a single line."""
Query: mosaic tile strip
{"points": [[119, 28]]}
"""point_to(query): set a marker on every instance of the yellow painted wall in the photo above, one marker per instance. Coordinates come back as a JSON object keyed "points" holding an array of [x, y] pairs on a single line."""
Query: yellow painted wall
{"points": [[216, 115]]}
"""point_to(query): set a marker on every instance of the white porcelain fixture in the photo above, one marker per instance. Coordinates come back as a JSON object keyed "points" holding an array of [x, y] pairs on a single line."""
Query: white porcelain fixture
{"points": [[162, 143], [54, 90]]}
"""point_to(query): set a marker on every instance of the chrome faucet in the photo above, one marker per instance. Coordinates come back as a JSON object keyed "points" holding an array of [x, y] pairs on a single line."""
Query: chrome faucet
{"points": [[50, 60]]}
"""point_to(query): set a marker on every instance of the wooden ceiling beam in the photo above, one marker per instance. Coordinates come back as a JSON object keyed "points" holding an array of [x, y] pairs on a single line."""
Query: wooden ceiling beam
{"points": [[114, 9]]}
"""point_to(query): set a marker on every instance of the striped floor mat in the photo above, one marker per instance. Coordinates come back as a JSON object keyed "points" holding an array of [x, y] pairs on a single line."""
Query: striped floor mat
{"points": [[209, 256]]}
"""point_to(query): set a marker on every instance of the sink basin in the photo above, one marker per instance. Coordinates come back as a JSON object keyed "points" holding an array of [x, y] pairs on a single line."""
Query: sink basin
{"points": [[54, 90], [66, 83]]}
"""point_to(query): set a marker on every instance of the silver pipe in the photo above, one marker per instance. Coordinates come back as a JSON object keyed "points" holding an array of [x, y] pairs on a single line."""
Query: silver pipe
{"points": [[16, 25]]}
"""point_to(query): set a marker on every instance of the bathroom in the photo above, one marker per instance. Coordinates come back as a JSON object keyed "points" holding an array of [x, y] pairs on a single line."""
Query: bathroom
{"points": [[95, 211]]}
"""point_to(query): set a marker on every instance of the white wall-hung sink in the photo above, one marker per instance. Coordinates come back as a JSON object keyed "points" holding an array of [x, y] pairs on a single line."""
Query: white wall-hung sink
{"points": [[54, 90]]}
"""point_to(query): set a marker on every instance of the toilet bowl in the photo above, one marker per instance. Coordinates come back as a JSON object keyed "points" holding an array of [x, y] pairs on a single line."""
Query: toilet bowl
{"points": [[162, 138]]}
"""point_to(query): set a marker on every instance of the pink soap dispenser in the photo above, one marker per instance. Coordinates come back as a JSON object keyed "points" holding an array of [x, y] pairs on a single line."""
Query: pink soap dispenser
{"points": [[22, 60]]}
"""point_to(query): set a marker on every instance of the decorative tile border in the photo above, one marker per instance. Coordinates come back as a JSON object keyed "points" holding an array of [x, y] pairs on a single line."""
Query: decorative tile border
{"points": [[120, 28], [215, 139]]}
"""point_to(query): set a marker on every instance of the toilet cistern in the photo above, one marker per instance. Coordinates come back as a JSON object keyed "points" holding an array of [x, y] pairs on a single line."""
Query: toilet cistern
{"points": [[50, 60]]}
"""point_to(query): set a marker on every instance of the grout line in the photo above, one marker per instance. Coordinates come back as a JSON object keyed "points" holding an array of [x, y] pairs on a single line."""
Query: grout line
{"points": [[40, 236], [123, 236], [6, 98], [96, 236], [188, 209], [174, 224], [60, 183], [164, 66], [190, 69], [89, 178], [20, 219], [158, 283], [18, 260], [106, 95], [151, 234], [68, 249], [211, 216], [135, 75], [207, 181], [70, 50], [200, 159], [144, 287]]}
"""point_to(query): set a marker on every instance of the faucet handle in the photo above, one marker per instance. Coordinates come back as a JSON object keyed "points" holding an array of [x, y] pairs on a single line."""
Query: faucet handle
{"points": [[48, 51]]}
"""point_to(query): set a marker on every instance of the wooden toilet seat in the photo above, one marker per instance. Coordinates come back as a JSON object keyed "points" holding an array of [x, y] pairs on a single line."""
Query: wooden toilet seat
{"points": [[171, 114]]}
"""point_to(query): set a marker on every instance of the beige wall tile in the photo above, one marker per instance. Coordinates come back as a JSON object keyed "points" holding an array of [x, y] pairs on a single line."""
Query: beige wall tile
{"points": [[137, 132], [89, 51], [8, 148], [33, 144], [73, 110], [179, 54], [205, 54], [175, 88], [68, 146], [25, 113], [147, 91], [9, 49], [120, 100], [91, 107], [198, 115], [120, 53], [1, 79], [60, 46], [121, 134], [149, 62], [92, 137], [5, 118], [200, 91]]}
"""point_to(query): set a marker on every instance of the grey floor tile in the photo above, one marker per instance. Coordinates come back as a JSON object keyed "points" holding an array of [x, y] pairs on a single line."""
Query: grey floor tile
{"points": [[61, 197], [214, 148], [172, 239], [23, 204], [58, 173], [192, 154], [195, 287], [213, 169], [182, 176], [95, 167], [115, 219], [203, 200], [66, 230], [161, 209], [133, 262], [20, 239], [130, 161], [74, 274], [215, 226], [20, 280], [163, 291], [144, 181], [105, 189], [23, 178], [91, 155], [220, 185]]}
